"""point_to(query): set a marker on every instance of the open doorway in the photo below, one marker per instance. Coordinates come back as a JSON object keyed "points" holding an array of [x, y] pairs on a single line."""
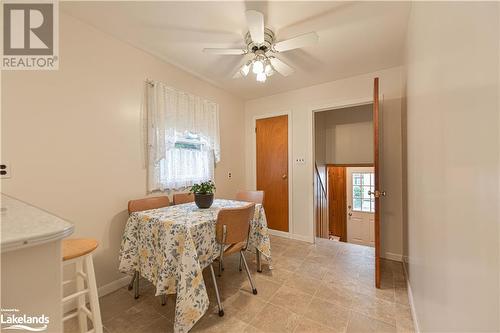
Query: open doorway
{"points": [[344, 152]]}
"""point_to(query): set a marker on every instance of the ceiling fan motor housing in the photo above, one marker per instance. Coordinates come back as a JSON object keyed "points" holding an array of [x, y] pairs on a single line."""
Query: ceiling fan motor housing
{"points": [[265, 47]]}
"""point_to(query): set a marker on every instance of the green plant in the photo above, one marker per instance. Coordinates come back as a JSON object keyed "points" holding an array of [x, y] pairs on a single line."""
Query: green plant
{"points": [[203, 188]]}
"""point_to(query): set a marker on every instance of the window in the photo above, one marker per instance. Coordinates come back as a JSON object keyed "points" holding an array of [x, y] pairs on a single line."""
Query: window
{"points": [[190, 160], [362, 184], [183, 138]]}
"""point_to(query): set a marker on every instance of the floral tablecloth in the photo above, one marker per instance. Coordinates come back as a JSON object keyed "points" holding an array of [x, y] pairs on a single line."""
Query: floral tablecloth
{"points": [[170, 247]]}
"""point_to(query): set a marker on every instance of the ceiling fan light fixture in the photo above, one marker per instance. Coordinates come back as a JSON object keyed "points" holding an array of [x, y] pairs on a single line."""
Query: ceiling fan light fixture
{"points": [[261, 45], [261, 77], [245, 69], [268, 70], [258, 67]]}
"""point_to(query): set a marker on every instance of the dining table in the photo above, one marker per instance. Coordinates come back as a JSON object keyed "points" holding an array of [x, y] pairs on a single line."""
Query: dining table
{"points": [[171, 246]]}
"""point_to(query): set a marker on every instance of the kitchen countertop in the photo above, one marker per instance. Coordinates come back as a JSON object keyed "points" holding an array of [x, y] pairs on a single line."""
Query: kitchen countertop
{"points": [[24, 225]]}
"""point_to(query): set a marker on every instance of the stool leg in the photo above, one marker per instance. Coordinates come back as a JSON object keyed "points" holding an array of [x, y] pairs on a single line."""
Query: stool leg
{"points": [[80, 285], [94, 298]]}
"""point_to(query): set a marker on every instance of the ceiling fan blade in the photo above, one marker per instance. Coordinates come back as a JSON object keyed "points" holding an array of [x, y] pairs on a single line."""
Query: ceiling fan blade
{"points": [[281, 67], [297, 42], [255, 22], [225, 51]]}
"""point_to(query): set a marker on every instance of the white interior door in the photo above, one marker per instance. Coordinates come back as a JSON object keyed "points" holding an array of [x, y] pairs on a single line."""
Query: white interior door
{"points": [[360, 206]]}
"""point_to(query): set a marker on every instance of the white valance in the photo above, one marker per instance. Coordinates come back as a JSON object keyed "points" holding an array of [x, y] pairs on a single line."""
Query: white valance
{"points": [[183, 137]]}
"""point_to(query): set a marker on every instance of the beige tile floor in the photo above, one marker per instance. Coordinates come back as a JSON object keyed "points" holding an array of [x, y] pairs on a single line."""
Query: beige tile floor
{"points": [[326, 287]]}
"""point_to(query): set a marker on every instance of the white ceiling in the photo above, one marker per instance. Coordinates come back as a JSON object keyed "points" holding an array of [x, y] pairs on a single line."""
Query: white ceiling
{"points": [[354, 37]]}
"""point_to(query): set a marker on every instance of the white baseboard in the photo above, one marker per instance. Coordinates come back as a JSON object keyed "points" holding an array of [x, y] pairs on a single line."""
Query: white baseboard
{"points": [[410, 297], [285, 234], [393, 256], [302, 238], [113, 286]]}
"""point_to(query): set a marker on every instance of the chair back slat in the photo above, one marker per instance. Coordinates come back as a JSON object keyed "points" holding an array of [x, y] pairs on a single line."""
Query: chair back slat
{"points": [[251, 196], [182, 198], [148, 203], [237, 222]]}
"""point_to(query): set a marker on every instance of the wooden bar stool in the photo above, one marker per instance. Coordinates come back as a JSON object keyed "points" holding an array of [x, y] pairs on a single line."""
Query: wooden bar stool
{"points": [[79, 252]]}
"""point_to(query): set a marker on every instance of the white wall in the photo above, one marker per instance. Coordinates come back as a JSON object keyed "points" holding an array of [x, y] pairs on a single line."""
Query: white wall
{"points": [[320, 143], [74, 136], [349, 135], [453, 165], [498, 206], [300, 104]]}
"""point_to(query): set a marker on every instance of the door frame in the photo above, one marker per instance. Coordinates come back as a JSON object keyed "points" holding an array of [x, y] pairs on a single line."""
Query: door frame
{"points": [[287, 113], [330, 107]]}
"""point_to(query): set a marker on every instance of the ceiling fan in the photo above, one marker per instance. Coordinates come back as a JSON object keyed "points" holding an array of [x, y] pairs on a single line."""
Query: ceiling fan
{"points": [[261, 43]]}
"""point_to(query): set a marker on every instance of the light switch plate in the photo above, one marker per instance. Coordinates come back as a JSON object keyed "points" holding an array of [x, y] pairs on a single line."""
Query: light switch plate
{"points": [[4, 170]]}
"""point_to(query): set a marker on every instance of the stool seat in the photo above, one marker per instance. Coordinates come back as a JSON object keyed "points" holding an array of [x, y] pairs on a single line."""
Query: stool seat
{"points": [[74, 248]]}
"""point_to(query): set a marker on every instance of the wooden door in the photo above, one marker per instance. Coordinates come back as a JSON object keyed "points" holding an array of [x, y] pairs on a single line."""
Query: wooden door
{"points": [[337, 201], [376, 165], [272, 169]]}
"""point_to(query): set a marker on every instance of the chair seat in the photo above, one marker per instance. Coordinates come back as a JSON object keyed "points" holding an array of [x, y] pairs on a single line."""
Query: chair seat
{"points": [[234, 248], [74, 248]]}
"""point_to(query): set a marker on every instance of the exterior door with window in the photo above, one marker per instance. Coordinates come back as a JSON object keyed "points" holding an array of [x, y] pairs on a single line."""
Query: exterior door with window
{"points": [[360, 206]]}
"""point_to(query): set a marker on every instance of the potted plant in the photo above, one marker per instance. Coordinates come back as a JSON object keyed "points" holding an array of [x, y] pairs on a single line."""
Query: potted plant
{"points": [[203, 194]]}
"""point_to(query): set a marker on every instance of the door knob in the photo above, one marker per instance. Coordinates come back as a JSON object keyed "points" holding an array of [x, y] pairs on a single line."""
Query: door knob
{"points": [[377, 193], [284, 176]]}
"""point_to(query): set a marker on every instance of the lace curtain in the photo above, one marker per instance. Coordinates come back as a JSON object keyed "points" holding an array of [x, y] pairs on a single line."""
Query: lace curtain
{"points": [[183, 138]]}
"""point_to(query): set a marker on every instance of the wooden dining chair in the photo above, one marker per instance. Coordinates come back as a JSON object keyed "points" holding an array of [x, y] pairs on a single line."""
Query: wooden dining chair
{"points": [[231, 232], [258, 198], [251, 196], [139, 205], [182, 198]]}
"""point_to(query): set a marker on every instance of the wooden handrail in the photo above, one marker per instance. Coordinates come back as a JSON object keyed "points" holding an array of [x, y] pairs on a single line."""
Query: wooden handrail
{"points": [[321, 206], [323, 187]]}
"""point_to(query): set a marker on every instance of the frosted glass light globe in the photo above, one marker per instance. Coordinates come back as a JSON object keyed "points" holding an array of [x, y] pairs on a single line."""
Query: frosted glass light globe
{"points": [[245, 69], [268, 70], [261, 77], [258, 67]]}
